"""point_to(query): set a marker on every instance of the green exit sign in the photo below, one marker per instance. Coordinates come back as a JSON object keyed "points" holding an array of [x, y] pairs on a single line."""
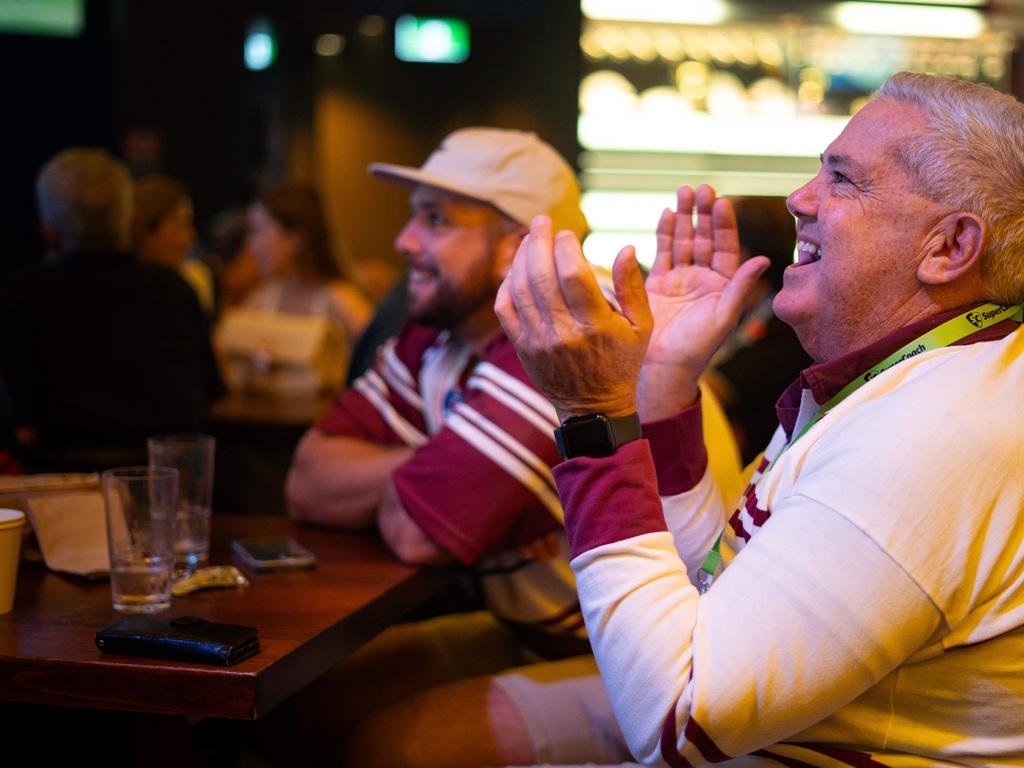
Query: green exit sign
{"points": [[434, 40], [54, 18]]}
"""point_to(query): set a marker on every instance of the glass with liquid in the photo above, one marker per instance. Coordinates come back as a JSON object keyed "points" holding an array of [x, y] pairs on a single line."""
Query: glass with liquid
{"points": [[141, 507]]}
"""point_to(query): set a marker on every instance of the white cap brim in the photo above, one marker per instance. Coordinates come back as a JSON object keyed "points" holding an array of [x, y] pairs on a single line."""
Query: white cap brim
{"points": [[409, 176]]}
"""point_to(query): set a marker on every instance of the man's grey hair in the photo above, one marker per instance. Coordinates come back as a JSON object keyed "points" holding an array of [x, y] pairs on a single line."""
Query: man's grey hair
{"points": [[85, 194], [972, 159]]}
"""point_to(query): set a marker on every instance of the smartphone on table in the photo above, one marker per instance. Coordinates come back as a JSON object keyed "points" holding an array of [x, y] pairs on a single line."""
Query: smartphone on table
{"points": [[272, 553]]}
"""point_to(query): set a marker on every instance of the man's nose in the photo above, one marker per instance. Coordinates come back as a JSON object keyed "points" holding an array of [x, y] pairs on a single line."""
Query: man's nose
{"points": [[802, 200], [406, 240]]}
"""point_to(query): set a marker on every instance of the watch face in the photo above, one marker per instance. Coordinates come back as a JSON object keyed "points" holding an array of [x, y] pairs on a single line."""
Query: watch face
{"points": [[586, 436]]}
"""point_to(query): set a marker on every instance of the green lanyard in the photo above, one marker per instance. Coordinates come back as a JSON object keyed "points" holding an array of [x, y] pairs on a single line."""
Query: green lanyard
{"points": [[943, 335]]}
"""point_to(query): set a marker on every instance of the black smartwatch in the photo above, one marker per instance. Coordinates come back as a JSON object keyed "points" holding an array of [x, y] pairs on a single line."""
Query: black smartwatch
{"points": [[595, 434]]}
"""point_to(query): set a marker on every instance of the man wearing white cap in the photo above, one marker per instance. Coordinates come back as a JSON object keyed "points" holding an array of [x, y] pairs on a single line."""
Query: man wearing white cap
{"points": [[446, 446]]}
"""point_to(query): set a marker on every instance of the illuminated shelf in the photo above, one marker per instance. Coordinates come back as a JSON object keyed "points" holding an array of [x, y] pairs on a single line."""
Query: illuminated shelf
{"points": [[746, 103], [701, 133]]}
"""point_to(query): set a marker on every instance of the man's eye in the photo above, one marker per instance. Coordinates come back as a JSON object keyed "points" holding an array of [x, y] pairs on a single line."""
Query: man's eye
{"points": [[435, 219], [840, 178]]}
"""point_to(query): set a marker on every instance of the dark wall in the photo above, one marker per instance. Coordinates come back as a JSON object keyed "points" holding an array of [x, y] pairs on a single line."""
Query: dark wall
{"points": [[55, 92], [523, 67], [164, 86], [180, 88]]}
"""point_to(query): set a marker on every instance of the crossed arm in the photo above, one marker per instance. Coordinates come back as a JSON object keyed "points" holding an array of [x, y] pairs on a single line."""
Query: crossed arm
{"points": [[345, 482]]}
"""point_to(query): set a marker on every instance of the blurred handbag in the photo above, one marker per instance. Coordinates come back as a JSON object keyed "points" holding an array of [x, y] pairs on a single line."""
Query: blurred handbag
{"points": [[279, 353]]}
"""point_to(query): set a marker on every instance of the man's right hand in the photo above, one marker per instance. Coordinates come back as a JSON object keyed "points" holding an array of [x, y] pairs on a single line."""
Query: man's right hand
{"points": [[696, 290]]}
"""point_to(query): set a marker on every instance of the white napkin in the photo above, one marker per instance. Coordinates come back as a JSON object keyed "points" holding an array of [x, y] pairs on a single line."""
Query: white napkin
{"points": [[71, 529]]}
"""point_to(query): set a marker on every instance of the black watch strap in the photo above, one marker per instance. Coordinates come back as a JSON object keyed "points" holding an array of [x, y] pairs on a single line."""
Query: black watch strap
{"points": [[595, 434]]}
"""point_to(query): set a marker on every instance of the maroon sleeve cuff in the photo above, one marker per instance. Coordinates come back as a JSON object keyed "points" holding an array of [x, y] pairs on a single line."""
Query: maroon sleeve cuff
{"points": [[677, 445], [609, 499]]}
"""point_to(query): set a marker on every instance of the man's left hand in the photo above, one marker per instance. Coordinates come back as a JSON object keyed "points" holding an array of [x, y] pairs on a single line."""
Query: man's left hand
{"points": [[580, 352]]}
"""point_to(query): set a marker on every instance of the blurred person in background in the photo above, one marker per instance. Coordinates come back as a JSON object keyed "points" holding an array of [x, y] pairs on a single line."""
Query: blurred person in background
{"points": [[98, 350], [302, 271], [165, 233], [238, 274]]}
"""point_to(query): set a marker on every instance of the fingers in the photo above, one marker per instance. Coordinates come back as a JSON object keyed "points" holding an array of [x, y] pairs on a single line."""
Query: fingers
{"points": [[505, 309], [713, 243], [582, 294], [730, 305], [725, 255], [538, 265], [703, 240], [629, 290], [679, 244], [551, 284], [663, 235], [682, 233], [517, 288]]}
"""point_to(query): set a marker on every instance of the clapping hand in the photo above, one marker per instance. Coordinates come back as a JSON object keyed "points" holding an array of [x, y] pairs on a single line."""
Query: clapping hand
{"points": [[696, 288], [580, 352]]}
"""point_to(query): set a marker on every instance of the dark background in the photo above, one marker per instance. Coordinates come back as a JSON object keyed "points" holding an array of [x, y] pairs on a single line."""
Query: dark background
{"points": [[163, 86]]}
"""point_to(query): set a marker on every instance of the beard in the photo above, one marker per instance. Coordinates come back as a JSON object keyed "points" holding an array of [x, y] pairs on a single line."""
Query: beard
{"points": [[448, 307]]}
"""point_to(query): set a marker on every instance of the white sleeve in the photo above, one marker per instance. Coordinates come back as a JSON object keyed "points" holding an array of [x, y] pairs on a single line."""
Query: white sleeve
{"points": [[809, 615], [695, 519]]}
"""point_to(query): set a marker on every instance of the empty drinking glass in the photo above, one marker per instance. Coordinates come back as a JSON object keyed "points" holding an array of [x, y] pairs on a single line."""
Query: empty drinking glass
{"points": [[192, 456]]}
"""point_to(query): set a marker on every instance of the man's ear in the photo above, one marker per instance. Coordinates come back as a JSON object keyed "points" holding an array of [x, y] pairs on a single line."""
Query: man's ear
{"points": [[506, 249], [953, 250]]}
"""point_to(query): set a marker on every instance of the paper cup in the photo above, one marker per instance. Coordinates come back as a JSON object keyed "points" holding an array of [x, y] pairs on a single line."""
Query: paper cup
{"points": [[11, 523]]}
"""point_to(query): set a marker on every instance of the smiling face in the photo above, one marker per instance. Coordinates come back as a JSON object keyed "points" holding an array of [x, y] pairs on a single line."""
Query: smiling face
{"points": [[453, 248], [862, 231]]}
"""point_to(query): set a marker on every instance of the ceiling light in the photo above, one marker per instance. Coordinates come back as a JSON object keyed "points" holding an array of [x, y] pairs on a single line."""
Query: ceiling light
{"points": [[974, 3], [911, 20], [329, 45], [657, 11]]}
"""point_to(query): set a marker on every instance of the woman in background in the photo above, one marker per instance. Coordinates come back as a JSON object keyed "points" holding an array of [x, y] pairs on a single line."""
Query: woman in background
{"points": [[165, 234], [303, 274]]}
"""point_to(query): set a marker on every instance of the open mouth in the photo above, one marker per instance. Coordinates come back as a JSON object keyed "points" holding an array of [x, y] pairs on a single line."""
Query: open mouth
{"points": [[419, 275], [807, 253]]}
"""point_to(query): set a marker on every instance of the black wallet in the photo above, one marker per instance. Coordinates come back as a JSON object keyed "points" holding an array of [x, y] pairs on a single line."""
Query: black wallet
{"points": [[183, 638]]}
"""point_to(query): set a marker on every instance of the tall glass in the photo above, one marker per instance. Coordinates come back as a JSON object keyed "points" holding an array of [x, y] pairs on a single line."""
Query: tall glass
{"points": [[192, 455], [141, 504]]}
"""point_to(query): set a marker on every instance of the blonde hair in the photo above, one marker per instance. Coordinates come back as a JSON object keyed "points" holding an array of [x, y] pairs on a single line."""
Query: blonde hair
{"points": [[85, 194], [972, 158]]}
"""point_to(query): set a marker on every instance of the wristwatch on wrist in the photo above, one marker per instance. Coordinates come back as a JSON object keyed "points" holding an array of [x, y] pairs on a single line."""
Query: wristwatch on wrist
{"points": [[595, 434]]}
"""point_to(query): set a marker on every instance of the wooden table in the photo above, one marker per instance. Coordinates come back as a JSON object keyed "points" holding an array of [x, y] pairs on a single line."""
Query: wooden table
{"points": [[307, 621]]}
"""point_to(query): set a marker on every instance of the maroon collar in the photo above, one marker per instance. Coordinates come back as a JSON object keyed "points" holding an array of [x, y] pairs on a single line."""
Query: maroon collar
{"points": [[825, 380]]}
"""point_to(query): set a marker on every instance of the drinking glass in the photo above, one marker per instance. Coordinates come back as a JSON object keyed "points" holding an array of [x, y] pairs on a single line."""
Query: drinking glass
{"points": [[192, 455], [141, 505]]}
